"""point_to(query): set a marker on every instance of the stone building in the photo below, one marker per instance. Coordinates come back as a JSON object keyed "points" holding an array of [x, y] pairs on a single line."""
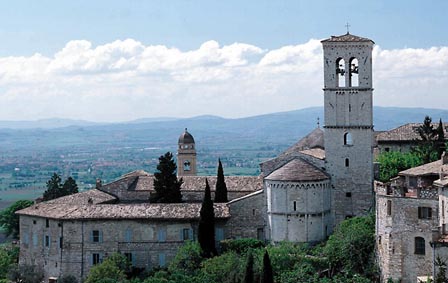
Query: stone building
{"points": [[411, 221], [348, 137], [70, 234], [186, 155], [300, 195], [402, 138]]}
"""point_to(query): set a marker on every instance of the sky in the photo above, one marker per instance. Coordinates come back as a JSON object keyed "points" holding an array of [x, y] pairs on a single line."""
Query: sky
{"points": [[110, 61]]}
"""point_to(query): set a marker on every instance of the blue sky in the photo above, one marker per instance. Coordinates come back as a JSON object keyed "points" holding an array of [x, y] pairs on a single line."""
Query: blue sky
{"points": [[193, 57], [45, 26]]}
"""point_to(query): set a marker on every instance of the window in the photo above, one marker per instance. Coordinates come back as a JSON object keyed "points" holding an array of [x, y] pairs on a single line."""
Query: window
{"points": [[47, 241], [340, 72], [47, 223], [96, 236], [161, 235], [25, 238], [348, 139], [219, 234], [60, 242], [348, 194], [295, 205], [424, 212], [162, 260], [354, 78], [129, 257], [348, 216], [419, 246], [187, 234], [260, 234], [96, 258], [386, 149], [347, 162], [35, 240], [389, 208], [187, 165], [128, 235]]}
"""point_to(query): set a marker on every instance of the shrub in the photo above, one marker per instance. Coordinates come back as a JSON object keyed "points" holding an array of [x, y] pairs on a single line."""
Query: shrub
{"points": [[241, 246]]}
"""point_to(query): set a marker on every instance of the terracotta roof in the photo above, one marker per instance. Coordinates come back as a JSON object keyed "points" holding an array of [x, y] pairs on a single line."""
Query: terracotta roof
{"points": [[143, 181], [313, 140], [432, 168], [65, 209], [315, 152], [298, 170], [407, 132], [347, 38], [93, 196], [233, 183]]}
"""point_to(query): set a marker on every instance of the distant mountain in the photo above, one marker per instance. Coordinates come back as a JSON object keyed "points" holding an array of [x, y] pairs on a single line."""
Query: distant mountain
{"points": [[44, 124], [283, 128]]}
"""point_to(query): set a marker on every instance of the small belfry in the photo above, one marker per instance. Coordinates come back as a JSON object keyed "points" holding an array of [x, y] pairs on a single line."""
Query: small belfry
{"points": [[348, 126], [186, 155]]}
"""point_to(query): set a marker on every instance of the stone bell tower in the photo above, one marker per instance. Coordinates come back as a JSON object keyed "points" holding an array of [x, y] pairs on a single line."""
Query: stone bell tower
{"points": [[349, 123], [186, 155]]}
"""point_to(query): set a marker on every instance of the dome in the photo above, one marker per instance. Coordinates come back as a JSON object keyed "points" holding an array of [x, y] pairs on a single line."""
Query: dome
{"points": [[186, 137]]}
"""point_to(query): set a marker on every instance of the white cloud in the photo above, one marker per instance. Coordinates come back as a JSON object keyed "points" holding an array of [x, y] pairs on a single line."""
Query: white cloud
{"points": [[126, 79]]}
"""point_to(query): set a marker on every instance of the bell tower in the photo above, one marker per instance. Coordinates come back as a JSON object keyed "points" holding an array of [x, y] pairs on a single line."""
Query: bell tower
{"points": [[349, 123], [186, 155]]}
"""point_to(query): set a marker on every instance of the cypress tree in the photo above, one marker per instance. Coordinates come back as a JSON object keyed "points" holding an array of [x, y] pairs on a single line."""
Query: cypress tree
{"points": [[206, 229], [221, 188], [440, 139], [267, 276], [54, 188], [249, 275], [166, 184], [70, 187]]}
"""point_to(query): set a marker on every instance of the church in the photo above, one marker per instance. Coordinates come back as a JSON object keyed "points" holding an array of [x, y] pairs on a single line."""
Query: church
{"points": [[300, 196]]}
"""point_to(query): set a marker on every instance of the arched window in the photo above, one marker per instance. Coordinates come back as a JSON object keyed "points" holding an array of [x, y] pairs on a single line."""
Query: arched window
{"points": [[354, 78], [348, 139], [340, 72], [187, 165], [347, 162], [419, 246]]}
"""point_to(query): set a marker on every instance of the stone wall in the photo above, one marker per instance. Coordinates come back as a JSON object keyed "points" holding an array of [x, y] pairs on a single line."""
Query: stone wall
{"points": [[248, 217], [397, 226], [298, 211], [151, 243]]}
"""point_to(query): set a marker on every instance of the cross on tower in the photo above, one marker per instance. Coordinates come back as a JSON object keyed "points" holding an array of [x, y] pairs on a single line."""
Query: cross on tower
{"points": [[348, 28]]}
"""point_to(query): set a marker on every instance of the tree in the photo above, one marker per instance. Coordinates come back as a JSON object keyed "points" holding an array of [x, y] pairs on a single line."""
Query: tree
{"points": [[249, 274], [53, 188], [426, 147], [67, 279], [70, 187], [166, 184], [206, 229], [221, 188], [392, 162], [351, 247], [9, 255], [9, 220], [440, 144], [112, 269], [26, 274], [441, 273], [267, 275], [187, 260], [56, 189]]}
